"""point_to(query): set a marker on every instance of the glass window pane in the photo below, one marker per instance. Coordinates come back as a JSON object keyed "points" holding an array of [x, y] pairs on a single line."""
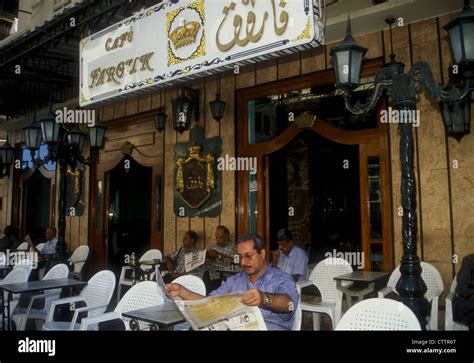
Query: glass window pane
{"points": [[252, 203], [376, 257], [375, 200]]}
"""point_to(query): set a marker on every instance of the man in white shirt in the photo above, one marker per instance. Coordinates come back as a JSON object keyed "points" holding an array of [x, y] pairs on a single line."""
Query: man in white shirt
{"points": [[50, 244], [290, 257]]}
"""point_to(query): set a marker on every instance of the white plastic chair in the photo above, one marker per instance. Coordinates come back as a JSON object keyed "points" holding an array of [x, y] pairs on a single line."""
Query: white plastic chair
{"points": [[298, 312], [78, 260], [15, 276], [22, 315], [322, 277], [3, 259], [22, 247], [96, 295], [140, 296], [147, 256], [434, 283], [192, 283], [379, 314], [449, 323], [40, 247]]}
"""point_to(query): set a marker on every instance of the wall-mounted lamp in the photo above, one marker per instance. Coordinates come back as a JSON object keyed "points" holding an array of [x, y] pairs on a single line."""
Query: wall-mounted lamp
{"points": [[218, 106], [7, 153], [183, 107], [161, 116]]}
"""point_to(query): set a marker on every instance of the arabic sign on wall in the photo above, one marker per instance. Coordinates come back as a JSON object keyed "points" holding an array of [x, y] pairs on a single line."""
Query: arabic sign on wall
{"points": [[186, 38]]}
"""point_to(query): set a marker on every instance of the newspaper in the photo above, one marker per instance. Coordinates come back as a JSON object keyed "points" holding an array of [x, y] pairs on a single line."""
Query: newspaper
{"points": [[223, 312], [194, 259]]}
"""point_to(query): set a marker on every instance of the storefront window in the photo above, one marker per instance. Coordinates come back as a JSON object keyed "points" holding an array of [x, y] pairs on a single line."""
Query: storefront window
{"points": [[270, 116]]}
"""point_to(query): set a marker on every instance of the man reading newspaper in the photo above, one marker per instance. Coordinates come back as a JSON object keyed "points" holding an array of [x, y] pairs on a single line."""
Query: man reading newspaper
{"points": [[272, 290]]}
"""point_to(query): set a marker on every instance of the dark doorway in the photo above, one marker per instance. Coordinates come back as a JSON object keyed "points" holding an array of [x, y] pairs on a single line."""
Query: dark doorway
{"points": [[129, 212], [314, 191], [36, 205]]}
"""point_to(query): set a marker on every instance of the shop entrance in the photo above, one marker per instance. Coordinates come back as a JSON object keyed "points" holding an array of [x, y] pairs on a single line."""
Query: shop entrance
{"points": [[129, 212], [314, 192]]}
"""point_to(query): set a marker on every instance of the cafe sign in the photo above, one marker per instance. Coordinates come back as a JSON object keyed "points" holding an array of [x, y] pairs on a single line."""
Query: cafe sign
{"points": [[185, 39]]}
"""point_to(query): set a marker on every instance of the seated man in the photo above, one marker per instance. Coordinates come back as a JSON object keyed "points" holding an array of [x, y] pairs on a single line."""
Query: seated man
{"points": [[217, 255], [463, 303], [271, 289], [175, 261], [290, 257], [49, 247], [9, 241]]}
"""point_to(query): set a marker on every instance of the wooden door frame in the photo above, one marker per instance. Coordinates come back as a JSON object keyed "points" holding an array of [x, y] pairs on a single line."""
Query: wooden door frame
{"points": [[376, 137], [100, 173]]}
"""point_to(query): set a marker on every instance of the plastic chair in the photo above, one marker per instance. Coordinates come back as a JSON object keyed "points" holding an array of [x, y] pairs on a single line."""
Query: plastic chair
{"points": [[15, 276], [298, 312], [449, 323], [147, 256], [192, 283], [96, 295], [21, 316], [379, 314], [434, 283], [3, 259], [40, 246], [140, 296], [322, 277], [78, 260], [23, 246]]}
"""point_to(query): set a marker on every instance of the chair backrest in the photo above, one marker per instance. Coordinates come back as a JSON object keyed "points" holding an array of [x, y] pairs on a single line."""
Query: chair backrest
{"points": [[40, 246], [23, 246], [430, 276], [79, 257], [149, 255], [25, 263], [298, 312], [379, 314], [3, 259], [60, 271], [454, 284], [323, 277], [98, 291], [15, 276], [192, 283]]}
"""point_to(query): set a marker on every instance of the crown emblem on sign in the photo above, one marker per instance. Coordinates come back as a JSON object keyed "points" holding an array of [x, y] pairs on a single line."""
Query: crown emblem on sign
{"points": [[185, 34]]}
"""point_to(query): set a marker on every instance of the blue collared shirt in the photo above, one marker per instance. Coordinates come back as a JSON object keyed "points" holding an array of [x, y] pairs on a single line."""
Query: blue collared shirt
{"points": [[273, 281], [295, 263], [49, 247]]}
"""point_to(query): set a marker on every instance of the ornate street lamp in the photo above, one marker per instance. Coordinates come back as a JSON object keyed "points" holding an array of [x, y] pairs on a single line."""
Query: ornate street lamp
{"points": [[33, 135], [65, 147], [218, 106], [183, 107], [401, 89]]}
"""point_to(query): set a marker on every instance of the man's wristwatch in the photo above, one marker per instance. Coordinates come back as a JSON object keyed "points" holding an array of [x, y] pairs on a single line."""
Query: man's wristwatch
{"points": [[267, 300]]}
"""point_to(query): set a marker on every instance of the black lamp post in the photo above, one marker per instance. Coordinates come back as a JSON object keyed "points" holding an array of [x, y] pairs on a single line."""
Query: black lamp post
{"points": [[183, 108], [65, 147], [402, 89]]}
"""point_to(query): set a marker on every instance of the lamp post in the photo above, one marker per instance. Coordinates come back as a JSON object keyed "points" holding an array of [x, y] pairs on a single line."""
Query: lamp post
{"points": [[401, 89], [65, 146]]}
